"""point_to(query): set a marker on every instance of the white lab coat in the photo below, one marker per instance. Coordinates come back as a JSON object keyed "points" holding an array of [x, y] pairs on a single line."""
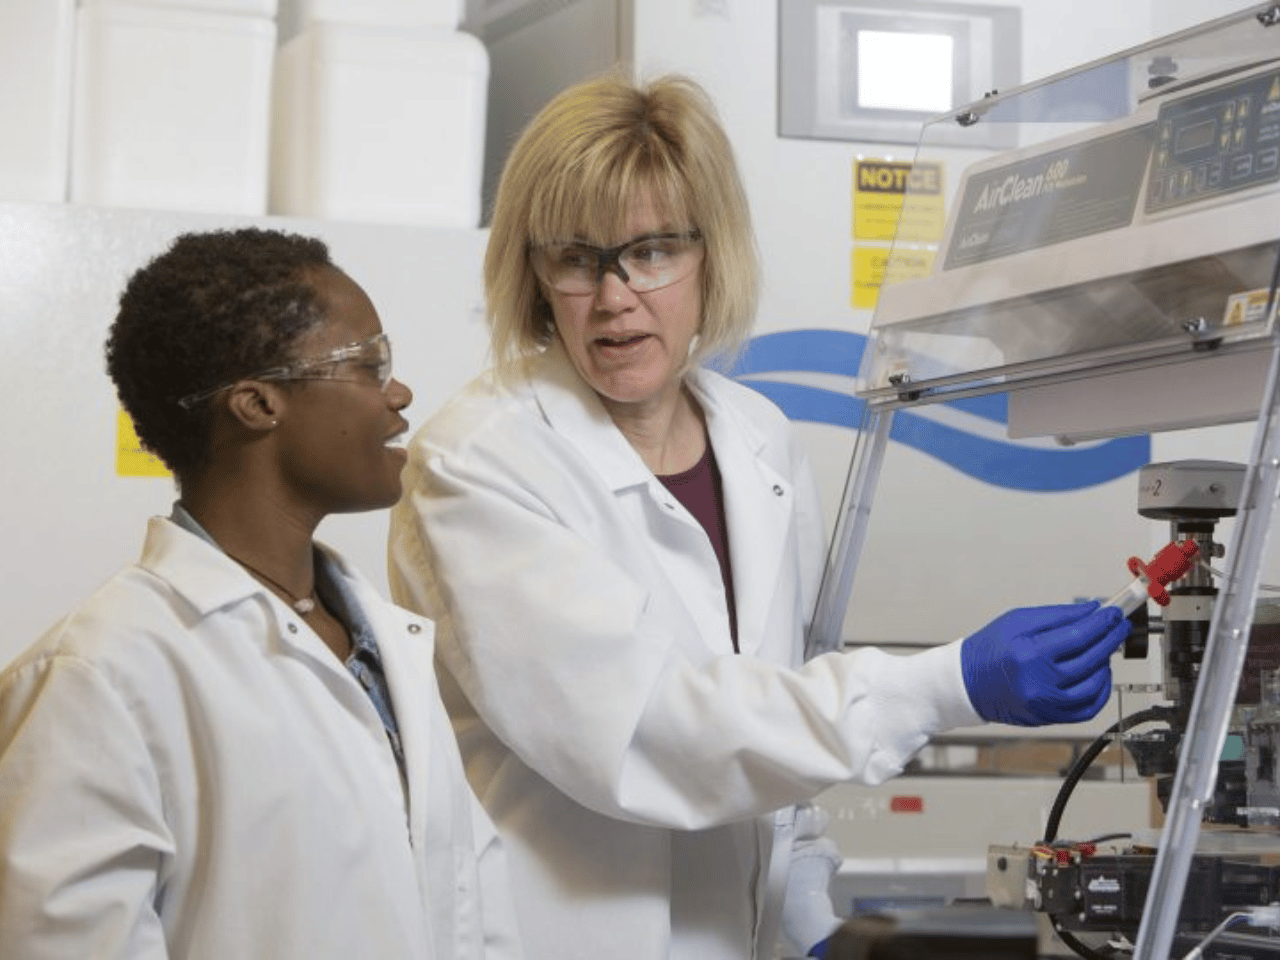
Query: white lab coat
{"points": [[641, 773], [186, 771]]}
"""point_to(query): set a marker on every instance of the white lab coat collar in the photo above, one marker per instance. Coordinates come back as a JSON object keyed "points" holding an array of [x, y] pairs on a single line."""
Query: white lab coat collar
{"points": [[575, 411], [757, 497], [203, 575], [198, 571]]}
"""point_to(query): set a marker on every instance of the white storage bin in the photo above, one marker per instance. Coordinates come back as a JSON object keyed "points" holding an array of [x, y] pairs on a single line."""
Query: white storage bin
{"points": [[252, 8], [37, 40], [172, 109], [296, 15], [383, 125]]}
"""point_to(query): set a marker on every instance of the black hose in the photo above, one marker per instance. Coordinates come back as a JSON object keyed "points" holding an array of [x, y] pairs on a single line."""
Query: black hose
{"points": [[1064, 794], [1085, 759]]}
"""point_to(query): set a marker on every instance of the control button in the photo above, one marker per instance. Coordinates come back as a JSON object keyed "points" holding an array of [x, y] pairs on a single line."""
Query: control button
{"points": [[1242, 166]]}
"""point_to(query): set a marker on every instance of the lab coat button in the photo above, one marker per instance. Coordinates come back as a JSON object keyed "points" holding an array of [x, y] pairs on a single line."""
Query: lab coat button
{"points": [[293, 628], [415, 628], [777, 490]]}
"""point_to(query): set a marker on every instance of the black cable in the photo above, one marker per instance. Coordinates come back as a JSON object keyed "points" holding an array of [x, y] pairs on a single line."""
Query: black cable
{"points": [[1109, 836], [1085, 759], [1080, 948], [1064, 794]]}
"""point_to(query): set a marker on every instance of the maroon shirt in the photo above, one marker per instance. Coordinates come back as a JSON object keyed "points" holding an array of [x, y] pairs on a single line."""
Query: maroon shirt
{"points": [[698, 489]]}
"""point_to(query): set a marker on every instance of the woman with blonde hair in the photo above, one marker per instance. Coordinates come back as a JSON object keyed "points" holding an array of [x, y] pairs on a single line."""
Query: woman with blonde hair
{"points": [[622, 549]]}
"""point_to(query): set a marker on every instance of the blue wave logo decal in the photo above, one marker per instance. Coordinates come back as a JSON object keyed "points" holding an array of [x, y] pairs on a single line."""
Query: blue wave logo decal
{"points": [[967, 434]]}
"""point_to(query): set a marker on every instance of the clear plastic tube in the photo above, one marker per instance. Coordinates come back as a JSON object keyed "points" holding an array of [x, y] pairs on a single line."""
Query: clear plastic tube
{"points": [[1131, 597]]}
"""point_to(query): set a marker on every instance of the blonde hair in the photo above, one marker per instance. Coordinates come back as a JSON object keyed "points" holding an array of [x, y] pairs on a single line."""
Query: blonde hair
{"points": [[575, 171]]}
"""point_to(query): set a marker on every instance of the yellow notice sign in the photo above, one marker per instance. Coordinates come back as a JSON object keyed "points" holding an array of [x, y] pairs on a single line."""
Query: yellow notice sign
{"points": [[902, 200], [872, 267], [131, 459]]}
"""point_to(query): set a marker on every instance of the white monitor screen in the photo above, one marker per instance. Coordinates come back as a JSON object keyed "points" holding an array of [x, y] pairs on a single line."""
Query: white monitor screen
{"points": [[905, 71]]}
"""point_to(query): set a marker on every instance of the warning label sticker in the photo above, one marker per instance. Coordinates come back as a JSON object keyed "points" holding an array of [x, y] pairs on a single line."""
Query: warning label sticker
{"points": [[1247, 307]]}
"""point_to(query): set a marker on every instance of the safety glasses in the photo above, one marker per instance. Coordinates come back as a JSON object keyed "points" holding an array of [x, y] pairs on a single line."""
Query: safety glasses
{"points": [[649, 262], [363, 361]]}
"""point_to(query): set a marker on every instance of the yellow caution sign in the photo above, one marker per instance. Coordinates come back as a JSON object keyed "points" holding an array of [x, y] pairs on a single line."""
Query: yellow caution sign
{"points": [[895, 199], [871, 267], [131, 459]]}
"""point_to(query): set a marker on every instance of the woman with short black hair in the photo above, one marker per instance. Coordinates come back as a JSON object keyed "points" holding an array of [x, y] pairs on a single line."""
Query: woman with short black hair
{"points": [[235, 748]]}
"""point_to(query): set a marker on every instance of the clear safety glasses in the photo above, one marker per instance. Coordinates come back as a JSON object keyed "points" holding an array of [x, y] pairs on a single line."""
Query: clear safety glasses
{"points": [[363, 361], [650, 262]]}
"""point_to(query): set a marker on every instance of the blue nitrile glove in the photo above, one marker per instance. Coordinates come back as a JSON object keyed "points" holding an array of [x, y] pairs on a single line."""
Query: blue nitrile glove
{"points": [[820, 948], [1039, 665]]}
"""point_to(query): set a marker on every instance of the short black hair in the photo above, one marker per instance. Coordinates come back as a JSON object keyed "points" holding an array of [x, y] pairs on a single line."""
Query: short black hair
{"points": [[214, 307]]}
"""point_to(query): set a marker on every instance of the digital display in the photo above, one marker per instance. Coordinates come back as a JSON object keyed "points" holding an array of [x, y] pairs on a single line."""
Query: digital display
{"points": [[1194, 137]]}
